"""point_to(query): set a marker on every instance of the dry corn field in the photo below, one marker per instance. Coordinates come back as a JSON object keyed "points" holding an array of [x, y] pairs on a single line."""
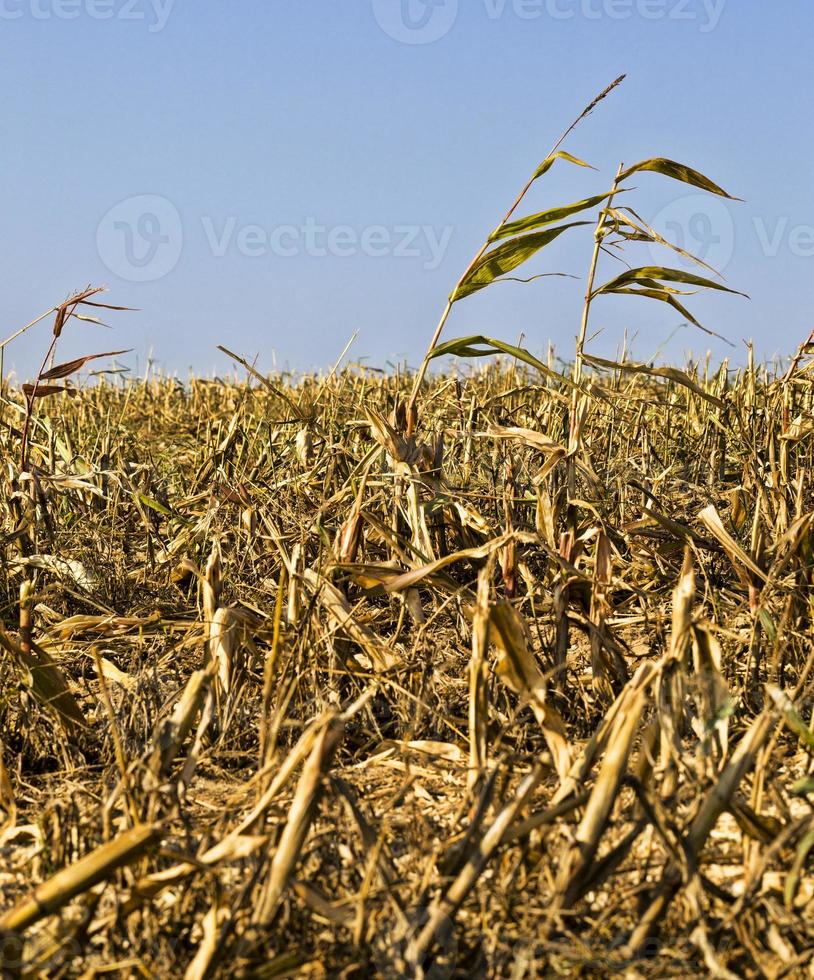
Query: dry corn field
{"points": [[285, 692], [497, 672]]}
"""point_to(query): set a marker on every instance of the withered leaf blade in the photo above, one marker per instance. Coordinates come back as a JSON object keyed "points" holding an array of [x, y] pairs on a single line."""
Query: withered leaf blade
{"points": [[42, 391], [71, 367]]}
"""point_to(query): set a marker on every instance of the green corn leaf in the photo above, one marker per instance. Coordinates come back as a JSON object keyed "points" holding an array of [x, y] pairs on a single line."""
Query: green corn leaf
{"points": [[768, 624], [671, 374], [507, 257], [480, 346], [663, 295], [155, 505], [643, 285], [794, 722], [548, 163], [678, 171], [804, 848], [463, 347], [623, 221], [652, 289], [651, 272], [545, 218]]}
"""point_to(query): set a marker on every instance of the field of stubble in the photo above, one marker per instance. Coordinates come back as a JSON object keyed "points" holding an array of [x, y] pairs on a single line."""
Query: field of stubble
{"points": [[285, 692]]}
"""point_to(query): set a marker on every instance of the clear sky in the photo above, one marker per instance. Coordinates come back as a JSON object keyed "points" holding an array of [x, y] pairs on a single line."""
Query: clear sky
{"points": [[276, 175]]}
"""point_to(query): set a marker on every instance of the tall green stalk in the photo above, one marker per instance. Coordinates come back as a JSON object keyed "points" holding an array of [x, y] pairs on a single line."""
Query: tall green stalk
{"points": [[412, 417]]}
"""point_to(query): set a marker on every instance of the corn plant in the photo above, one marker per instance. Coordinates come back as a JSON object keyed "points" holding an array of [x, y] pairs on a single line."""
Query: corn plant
{"points": [[42, 385], [616, 225]]}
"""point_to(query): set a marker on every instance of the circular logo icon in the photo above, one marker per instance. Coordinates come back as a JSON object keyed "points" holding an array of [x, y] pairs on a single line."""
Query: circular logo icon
{"points": [[701, 225], [415, 21], [140, 239]]}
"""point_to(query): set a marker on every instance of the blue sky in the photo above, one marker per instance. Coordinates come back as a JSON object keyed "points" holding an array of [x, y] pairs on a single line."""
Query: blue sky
{"points": [[276, 176]]}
